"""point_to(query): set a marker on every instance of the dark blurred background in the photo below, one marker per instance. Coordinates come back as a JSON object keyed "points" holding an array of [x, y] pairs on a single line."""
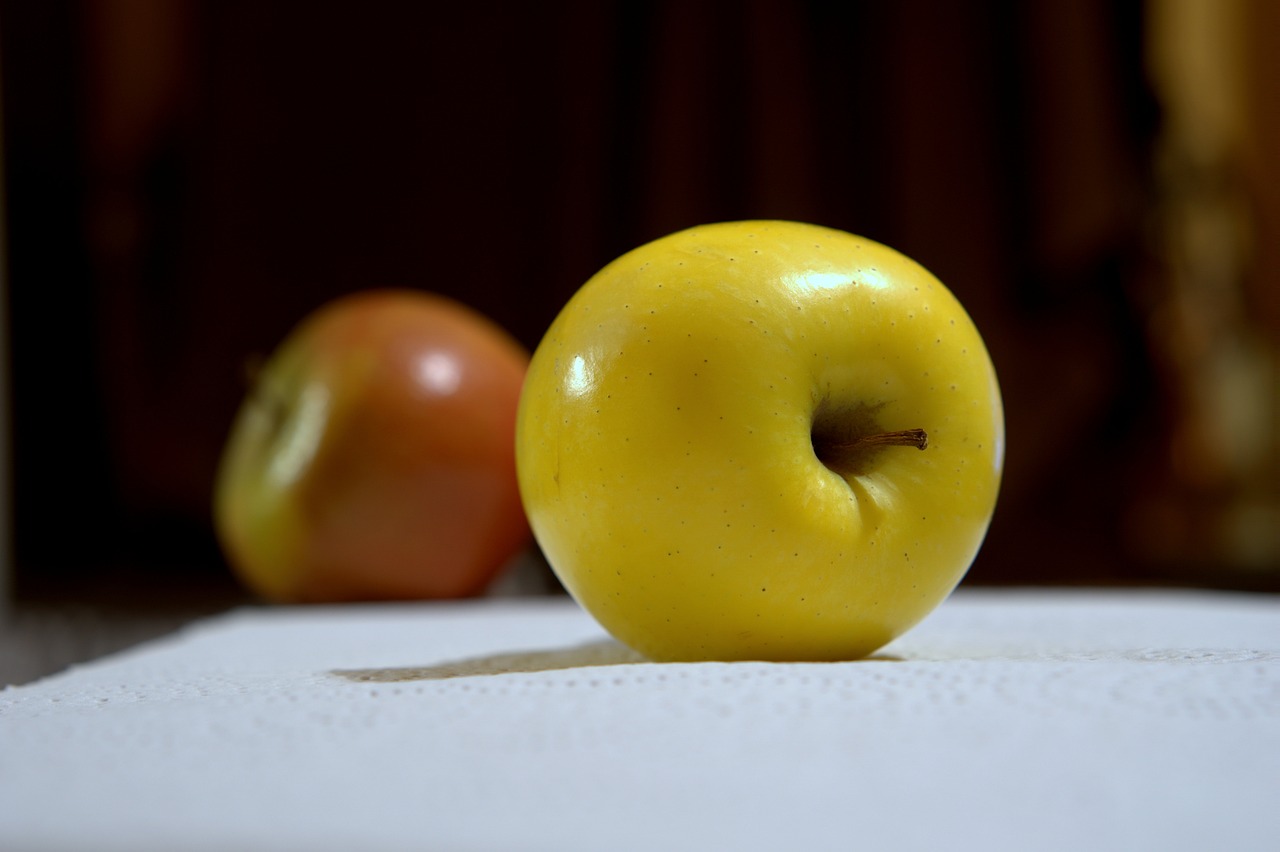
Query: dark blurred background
{"points": [[1097, 180]]}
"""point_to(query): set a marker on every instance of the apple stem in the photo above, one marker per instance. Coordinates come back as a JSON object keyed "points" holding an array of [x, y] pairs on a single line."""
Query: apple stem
{"points": [[904, 438], [854, 455]]}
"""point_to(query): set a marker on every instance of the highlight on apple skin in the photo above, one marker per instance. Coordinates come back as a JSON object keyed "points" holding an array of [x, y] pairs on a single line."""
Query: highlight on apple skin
{"points": [[373, 458], [760, 440]]}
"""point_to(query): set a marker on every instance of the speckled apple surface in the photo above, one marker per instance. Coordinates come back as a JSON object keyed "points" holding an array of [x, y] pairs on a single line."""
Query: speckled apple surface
{"points": [[1008, 720], [699, 444]]}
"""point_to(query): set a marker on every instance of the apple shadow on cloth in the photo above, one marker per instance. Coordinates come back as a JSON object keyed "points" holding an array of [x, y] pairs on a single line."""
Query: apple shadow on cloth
{"points": [[604, 652]]}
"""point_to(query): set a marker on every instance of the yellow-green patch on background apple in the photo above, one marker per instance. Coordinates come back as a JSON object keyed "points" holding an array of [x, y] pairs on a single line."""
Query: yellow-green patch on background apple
{"points": [[676, 419]]}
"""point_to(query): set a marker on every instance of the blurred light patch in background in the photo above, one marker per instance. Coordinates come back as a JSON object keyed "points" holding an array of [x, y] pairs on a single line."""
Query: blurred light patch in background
{"points": [[1213, 500]]}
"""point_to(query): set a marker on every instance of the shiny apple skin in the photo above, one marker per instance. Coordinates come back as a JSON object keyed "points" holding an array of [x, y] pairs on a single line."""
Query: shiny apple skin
{"points": [[666, 454], [374, 457]]}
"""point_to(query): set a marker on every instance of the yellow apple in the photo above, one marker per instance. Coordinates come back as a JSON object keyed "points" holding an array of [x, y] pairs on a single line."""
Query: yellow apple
{"points": [[760, 440], [374, 456]]}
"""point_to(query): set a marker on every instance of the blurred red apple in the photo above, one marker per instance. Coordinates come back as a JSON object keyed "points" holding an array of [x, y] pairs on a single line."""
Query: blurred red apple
{"points": [[374, 455]]}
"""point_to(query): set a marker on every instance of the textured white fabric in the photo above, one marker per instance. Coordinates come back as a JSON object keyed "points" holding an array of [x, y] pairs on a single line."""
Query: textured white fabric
{"points": [[1007, 720]]}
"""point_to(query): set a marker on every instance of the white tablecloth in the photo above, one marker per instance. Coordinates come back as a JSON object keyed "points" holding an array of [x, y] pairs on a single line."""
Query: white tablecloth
{"points": [[1007, 720]]}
